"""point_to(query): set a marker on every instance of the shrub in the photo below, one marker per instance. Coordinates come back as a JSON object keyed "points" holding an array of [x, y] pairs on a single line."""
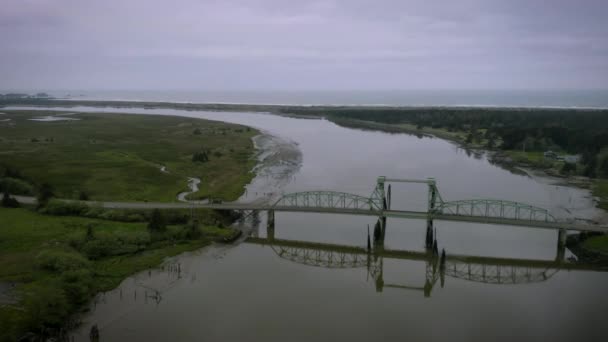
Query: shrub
{"points": [[157, 222], [191, 231], [200, 157], [45, 193], [15, 186], [115, 244], [60, 261], [9, 202], [47, 306], [77, 285], [62, 208], [83, 196], [567, 168]]}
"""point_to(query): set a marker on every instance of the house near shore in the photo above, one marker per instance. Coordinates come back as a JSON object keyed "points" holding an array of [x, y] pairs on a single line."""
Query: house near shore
{"points": [[550, 155], [572, 159], [569, 158]]}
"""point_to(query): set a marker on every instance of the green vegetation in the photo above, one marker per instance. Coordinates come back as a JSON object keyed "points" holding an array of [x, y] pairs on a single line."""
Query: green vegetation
{"points": [[600, 190], [597, 244], [59, 262], [66, 251], [118, 157]]}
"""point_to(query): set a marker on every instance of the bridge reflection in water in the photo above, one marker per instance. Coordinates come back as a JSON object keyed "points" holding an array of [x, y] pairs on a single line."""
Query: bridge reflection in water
{"points": [[487, 270]]}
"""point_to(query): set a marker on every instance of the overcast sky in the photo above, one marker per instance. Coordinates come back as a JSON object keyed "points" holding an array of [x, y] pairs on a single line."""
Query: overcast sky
{"points": [[295, 45]]}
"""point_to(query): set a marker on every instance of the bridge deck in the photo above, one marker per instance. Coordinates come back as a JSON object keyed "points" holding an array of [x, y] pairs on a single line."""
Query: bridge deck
{"points": [[372, 212]]}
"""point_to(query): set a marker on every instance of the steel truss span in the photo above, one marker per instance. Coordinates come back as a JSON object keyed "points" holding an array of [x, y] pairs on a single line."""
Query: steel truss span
{"points": [[492, 208], [497, 274], [468, 271], [326, 199], [321, 258]]}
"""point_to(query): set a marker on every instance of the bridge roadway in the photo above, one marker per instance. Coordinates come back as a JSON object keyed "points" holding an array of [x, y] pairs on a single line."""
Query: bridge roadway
{"points": [[422, 215], [365, 212], [424, 256]]}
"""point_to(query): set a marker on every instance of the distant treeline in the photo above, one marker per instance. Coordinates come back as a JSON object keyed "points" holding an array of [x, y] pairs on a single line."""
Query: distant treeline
{"points": [[576, 131]]}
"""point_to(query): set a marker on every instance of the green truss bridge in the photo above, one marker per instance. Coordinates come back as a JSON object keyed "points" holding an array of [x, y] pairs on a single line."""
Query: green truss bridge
{"points": [[485, 211]]}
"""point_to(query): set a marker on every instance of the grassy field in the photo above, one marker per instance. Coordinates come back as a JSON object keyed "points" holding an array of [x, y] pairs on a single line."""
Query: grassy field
{"points": [[57, 267], [118, 157]]}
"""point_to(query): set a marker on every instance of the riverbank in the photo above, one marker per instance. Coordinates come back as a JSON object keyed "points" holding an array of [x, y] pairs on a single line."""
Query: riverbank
{"points": [[508, 159], [55, 264], [52, 263]]}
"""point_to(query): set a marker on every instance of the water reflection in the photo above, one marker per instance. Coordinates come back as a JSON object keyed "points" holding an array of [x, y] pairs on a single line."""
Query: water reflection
{"points": [[486, 270]]}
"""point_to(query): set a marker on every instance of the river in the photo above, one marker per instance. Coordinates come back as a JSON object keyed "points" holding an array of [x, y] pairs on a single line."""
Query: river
{"points": [[253, 292]]}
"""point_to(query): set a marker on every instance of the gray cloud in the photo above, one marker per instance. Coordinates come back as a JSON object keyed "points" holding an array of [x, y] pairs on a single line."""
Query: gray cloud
{"points": [[340, 44]]}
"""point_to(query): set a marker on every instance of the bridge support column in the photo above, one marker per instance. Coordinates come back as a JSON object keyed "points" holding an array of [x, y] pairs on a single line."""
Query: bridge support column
{"points": [[428, 244], [379, 228], [561, 244], [379, 277], [270, 225]]}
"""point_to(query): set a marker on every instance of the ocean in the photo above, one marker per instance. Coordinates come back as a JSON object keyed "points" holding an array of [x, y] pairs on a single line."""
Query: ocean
{"points": [[498, 98]]}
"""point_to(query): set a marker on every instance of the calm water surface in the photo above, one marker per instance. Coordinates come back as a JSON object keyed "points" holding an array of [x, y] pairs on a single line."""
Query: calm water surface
{"points": [[252, 292]]}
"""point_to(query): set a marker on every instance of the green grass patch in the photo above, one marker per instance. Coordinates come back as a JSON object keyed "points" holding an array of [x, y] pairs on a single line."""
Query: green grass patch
{"points": [[118, 156]]}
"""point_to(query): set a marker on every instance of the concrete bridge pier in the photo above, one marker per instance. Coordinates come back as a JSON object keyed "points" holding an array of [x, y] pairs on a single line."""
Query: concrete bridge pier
{"points": [[379, 232], [379, 276], [562, 235], [270, 225], [428, 244]]}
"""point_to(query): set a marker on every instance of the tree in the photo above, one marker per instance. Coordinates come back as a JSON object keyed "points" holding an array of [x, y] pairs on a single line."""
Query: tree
{"points": [[90, 232], [469, 138], [197, 131], [9, 202], [45, 193], [157, 222], [568, 168], [490, 144], [602, 163], [83, 196], [200, 157], [192, 230], [590, 168]]}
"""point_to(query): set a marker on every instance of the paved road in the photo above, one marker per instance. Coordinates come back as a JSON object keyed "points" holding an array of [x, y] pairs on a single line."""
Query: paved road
{"points": [[388, 213]]}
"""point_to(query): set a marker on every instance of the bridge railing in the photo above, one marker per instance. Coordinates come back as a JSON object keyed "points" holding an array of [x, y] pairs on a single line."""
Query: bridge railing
{"points": [[495, 209]]}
